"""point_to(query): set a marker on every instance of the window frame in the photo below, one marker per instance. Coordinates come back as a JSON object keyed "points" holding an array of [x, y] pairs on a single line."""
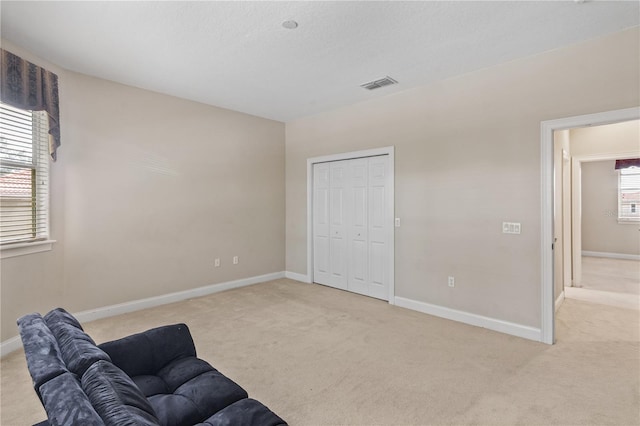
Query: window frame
{"points": [[41, 240], [626, 219]]}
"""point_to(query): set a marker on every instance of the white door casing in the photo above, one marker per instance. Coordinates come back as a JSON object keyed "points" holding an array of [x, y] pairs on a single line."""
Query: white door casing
{"points": [[566, 219], [547, 323]]}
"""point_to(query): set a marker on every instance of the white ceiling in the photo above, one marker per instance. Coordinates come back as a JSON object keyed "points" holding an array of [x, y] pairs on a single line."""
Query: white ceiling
{"points": [[237, 55]]}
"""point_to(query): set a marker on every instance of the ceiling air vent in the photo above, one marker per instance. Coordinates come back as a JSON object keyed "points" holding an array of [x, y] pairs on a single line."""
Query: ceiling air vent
{"points": [[387, 81]]}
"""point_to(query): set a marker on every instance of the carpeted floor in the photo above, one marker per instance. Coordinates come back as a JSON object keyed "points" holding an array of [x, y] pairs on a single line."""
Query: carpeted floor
{"points": [[605, 281], [613, 275], [319, 356]]}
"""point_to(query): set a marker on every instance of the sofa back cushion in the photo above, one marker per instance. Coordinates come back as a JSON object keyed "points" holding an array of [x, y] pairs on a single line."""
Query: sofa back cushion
{"points": [[60, 316], [148, 352], [78, 349], [41, 350], [67, 404], [115, 397]]}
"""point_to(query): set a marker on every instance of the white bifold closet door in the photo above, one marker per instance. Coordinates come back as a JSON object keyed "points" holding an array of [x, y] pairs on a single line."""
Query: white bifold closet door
{"points": [[350, 229]]}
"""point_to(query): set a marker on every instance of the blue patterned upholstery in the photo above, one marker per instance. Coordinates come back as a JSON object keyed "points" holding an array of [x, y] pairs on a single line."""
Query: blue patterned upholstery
{"points": [[41, 350], [78, 349], [246, 412], [149, 378], [67, 404], [182, 389], [115, 397]]}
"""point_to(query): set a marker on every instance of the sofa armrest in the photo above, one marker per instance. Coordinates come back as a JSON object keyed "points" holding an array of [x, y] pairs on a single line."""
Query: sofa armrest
{"points": [[41, 350], [147, 352]]}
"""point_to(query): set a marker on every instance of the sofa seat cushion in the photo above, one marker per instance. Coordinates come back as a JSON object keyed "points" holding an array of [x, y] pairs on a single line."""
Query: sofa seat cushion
{"points": [[66, 403], [246, 412], [175, 410], [150, 385], [197, 398], [181, 388], [180, 371], [116, 397]]}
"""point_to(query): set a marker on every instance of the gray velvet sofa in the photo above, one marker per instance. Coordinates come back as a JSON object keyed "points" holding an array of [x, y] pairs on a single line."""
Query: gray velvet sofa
{"points": [[150, 378]]}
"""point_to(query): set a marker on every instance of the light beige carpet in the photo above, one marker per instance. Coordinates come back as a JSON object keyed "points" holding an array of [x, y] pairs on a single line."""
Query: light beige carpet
{"points": [[319, 356], [612, 275]]}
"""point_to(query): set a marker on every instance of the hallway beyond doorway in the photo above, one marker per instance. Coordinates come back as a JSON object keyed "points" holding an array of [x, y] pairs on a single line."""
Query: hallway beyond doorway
{"points": [[614, 282]]}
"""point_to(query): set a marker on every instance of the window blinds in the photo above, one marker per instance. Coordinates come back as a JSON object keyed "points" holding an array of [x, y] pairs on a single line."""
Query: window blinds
{"points": [[629, 194], [24, 180]]}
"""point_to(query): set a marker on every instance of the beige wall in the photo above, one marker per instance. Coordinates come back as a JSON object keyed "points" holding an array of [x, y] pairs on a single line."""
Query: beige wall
{"points": [[611, 139], [601, 231], [147, 191], [467, 159], [129, 156]]}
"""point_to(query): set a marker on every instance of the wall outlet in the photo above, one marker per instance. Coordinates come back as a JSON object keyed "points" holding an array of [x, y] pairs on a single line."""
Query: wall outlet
{"points": [[216, 262], [452, 282], [235, 260]]}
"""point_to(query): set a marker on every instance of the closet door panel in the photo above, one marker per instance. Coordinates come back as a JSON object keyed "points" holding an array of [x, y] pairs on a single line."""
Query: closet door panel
{"points": [[358, 243], [378, 247], [321, 219], [351, 247], [339, 216]]}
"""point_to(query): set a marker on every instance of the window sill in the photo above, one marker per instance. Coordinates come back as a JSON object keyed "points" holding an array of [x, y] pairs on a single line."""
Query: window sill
{"points": [[22, 249], [629, 221]]}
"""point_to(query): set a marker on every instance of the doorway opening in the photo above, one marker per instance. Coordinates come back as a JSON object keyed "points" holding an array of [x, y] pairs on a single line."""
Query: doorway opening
{"points": [[604, 247], [550, 211]]}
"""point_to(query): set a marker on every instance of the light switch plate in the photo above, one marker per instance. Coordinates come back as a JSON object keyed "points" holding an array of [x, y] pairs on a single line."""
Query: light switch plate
{"points": [[511, 227]]}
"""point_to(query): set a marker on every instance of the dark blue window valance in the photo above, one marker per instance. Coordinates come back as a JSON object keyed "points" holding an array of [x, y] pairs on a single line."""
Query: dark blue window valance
{"points": [[631, 162], [32, 88]]}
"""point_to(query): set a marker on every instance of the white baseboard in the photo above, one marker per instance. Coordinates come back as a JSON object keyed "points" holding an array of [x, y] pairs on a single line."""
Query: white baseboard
{"points": [[506, 327], [15, 343], [611, 255], [559, 301], [10, 345], [297, 277], [136, 305]]}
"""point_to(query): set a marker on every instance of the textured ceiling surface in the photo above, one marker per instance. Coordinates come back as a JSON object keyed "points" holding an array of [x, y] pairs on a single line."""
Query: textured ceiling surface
{"points": [[237, 55]]}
